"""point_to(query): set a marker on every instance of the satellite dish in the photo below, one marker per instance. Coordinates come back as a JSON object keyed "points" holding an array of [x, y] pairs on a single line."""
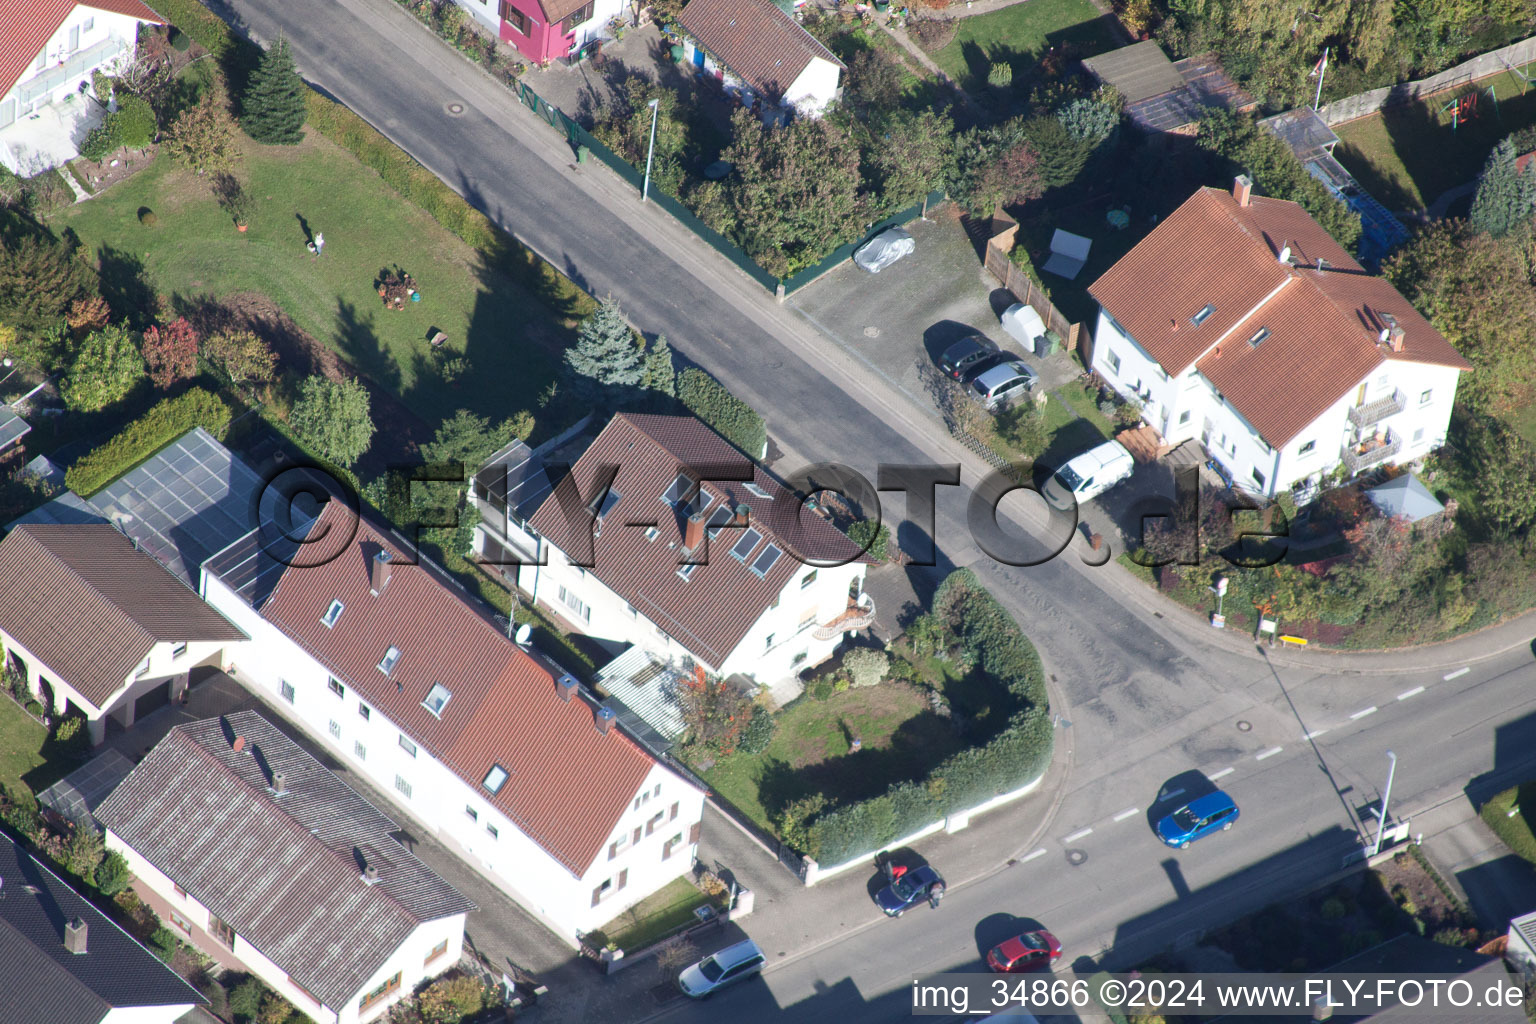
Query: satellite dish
{"points": [[523, 633]]}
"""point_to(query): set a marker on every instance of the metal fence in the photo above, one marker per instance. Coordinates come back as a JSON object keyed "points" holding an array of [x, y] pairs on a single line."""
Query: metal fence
{"points": [[836, 257]]}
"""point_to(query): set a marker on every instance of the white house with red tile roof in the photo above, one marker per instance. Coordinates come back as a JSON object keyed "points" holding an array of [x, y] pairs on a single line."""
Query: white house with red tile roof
{"points": [[760, 54], [48, 49], [694, 553], [492, 747], [1239, 321]]}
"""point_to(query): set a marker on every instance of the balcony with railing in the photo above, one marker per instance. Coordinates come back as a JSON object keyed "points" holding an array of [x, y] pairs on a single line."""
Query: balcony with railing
{"points": [[1360, 457], [858, 615], [77, 65], [1375, 412]]}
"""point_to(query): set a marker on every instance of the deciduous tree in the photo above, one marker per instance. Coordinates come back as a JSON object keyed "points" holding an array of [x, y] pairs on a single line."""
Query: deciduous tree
{"points": [[170, 352], [241, 357], [202, 138], [106, 367], [909, 156], [273, 108], [333, 417]]}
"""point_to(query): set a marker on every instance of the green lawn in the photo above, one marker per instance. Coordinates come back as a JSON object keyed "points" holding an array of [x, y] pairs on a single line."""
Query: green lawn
{"points": [[1407, 155], [1019, 35], [811, 753], [1039, 225], [21, 745], [510, 337], [658, 915]]}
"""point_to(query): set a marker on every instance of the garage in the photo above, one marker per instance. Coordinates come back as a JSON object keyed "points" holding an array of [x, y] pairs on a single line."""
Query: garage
{"points": [[152, 700]]}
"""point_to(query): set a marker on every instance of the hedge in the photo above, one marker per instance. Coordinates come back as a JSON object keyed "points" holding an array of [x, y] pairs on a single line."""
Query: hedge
{"points": [[732, 418], [1013, 757], [137, 441]]}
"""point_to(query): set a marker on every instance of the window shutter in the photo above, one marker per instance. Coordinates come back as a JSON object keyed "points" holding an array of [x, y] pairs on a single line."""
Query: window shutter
{"points": [[597, 895], [636, 839], [672, 816], [623, 877], [613, 850], [666, 850], [693, 832]]}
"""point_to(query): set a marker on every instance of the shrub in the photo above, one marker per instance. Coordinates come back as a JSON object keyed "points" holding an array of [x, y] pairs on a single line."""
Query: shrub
{"points": [[866, 667], [178, 40], [1088, 120], [112, 874], [101, 140], [758, 732], [1107, 408], [732, 418], [1332, 909], [164, 942], [245, 998], [1000, 75], [147, 217], [34, 708], [274, 1009], [821, 689], [84, 851], [873, 537], [135, 121], [840, 685], [162, 424]]}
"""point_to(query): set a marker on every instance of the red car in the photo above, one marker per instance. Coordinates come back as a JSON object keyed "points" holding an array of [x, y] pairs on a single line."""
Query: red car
{"points": [[1032, 951]]}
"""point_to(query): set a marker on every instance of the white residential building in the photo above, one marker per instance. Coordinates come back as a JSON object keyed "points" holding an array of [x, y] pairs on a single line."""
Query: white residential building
{"points": [[761, 55], [1240, 322], [493, 748]]}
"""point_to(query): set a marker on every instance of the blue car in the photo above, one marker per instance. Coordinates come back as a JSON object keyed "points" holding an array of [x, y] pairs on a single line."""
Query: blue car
{"points": [[920, 885], [1200, 817]]}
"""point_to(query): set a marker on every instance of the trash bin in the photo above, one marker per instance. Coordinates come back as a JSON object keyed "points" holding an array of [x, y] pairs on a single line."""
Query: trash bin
{"points": [[676, 53], [1053, 343], [1042, 346], [582, 152]]}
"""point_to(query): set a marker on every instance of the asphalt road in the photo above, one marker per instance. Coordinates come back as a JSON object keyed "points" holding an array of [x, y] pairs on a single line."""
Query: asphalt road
{"points": [[1148, 696]]}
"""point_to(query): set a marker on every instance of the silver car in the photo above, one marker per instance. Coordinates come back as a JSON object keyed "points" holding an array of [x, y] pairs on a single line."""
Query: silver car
{"points": [[1003, 383], [716, 971]]}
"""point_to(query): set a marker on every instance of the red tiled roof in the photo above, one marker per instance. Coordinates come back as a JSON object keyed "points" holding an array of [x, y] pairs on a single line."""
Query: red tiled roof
{"points": [[1324, 324], [711, 611], [90, 606], [26, 25], [568, 783], [756, 40]]}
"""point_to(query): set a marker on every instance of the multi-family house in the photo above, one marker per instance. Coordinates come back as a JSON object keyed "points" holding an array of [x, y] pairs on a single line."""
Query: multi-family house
{"points": [[62, 961], [1240, 322], [546, 30], [96, 625], [694, 553], [761, 56], [255, 853], [492, 747], [48, 50]]}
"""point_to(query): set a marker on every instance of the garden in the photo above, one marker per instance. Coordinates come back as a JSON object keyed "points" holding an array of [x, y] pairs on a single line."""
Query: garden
{"points": [[1019, 36], [884, 742]]}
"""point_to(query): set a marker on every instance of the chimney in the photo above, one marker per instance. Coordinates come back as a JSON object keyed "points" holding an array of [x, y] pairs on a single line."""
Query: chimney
{"points": [[370, 875], [279, 784], [378, 572], [604, 719], [743, 513], [565, 686], [1395, 337], [1242, 189], [693, 531], [74, 935], [238, 744]]}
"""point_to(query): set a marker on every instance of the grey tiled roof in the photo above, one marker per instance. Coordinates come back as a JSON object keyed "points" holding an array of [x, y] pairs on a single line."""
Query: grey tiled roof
{"points": [[43, 983], [284, 871]]}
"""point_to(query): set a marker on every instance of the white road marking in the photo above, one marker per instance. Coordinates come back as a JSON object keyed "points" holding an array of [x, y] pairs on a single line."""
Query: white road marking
{"points": [[1314, 734], [1457, 674], [1410, 693], [1129, 812], [1361, 714], [1075, 836], [1031, 856], [1223, 773], [1271, 752]]}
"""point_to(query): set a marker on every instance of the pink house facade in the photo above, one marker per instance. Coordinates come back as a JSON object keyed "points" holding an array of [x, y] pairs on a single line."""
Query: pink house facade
{"points": [[545, 30]]}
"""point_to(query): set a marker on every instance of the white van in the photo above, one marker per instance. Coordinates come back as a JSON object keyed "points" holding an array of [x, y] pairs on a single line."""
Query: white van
{"points": [[1089, 475], [716, 971]]}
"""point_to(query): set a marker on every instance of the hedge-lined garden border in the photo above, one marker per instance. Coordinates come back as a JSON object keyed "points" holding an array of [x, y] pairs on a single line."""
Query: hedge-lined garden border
{"points": [[167, 420]]}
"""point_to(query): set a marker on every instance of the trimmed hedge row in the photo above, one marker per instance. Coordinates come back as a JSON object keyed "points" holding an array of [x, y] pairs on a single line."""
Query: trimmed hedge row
{"points": [[198, 22], [732, 419], [1013, 757], [137, 441]]}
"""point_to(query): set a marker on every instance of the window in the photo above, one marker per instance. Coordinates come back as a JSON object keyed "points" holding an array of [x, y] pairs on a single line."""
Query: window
{"points": [[670, 845], [686, 571], [1307, 449], [181, 893], [364, 711], [717, 520], [437, 699], [181, 923], [437, 951], [643, 798], [335, 687], [335, 729], [221, 931], [1425, 397], [495, 778], [579, 16], [360, 750], [390, 660], [575, 604], [656, 818], [1203, 315], [1183, 417], [514, 18], [808, 579], [1418, 435], [332, 614], [88, 24], [651, 533], [391, 984], [286, 688], [1258, 337], [768, 642], [800, 657], [407, 746], [753, 488], [1258, 477], [1113, 361], [767, 560], [747, 542], [657, 790], [602, 891], [471, 813], [403, 786], [178, 651], [672, 814], [492, 831]]}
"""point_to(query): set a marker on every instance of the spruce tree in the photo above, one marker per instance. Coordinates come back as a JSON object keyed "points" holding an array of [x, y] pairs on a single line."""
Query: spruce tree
{"points": [[272, 109], [606, 364], [660, 375], [39, 281], [1505, 196]]}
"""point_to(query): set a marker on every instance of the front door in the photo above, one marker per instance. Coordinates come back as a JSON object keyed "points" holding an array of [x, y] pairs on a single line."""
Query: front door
{"points": [[7, 112], [74, 38]]}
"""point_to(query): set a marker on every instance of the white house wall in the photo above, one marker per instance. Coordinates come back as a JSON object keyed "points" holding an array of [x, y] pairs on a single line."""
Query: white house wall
{"points": [[146, 1014], [85, 27], [814, 89]]}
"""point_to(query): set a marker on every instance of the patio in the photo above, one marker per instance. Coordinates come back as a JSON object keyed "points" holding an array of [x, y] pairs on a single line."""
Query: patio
{"points": [[49, 136]]}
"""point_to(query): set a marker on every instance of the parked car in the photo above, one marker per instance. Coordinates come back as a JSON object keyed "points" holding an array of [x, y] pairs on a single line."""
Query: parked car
{"points": [[969, 356], [884, 249], [1089, 475], [1032, 951], [1023, 324], [1001, 384], [920, 884], [1200, 817], [722, 969]]}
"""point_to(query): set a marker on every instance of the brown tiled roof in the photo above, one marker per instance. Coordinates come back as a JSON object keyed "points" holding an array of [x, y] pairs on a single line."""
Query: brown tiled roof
{"points": [[557, 10], [90, 606], [569, 783], [283, 871], [1324, 324], [711, 611], [26, 25], [756, 40]]}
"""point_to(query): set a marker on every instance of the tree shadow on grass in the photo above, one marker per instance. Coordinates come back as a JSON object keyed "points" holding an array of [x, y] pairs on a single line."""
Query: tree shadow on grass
{"points": [[126, 287], [360, 345]]}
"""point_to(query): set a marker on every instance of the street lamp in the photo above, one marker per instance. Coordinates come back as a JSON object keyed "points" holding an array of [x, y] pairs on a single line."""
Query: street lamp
{"points": [[1381, 826], [650, 151], [8, 363]]}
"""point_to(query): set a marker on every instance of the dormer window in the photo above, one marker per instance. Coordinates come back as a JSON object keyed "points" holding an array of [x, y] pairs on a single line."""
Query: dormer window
{"points": [[437, 699], [495, 779], [333, 613], [1258, 337], [686, 571], [752, 488], [390, 660], [1203, 315], [610, 499]]}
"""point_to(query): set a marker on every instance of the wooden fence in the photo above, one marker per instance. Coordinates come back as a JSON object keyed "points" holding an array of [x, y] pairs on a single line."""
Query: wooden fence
{"points": [[1024, 288]]}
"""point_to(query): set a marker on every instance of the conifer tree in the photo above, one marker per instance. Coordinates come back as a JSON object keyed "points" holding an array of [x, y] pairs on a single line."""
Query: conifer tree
{"points": [[1505, 196], [273, 108], [606, 364]]}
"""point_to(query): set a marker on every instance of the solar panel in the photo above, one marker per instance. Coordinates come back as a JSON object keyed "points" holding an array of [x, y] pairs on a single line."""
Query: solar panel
{"points": [[766, 560], [747, 542]]}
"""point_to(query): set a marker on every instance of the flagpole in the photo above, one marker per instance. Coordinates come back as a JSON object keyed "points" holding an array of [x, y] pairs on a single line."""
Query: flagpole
{"points": [[1321, 74]]}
